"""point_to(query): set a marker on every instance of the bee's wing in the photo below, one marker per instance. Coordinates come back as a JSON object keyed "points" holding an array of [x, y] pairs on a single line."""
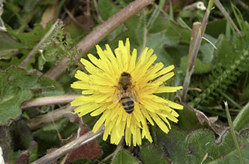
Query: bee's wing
{"points": [[117, 94], [133, 95]]}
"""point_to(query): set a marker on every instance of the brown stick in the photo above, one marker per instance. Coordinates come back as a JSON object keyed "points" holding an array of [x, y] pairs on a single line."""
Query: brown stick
{"points": [[192, 55], [99, 33], [42, 120], [69, 147], [194, 48], [48, 101]]}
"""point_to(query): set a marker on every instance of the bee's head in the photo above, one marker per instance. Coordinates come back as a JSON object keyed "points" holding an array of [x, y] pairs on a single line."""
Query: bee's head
{"points": [[125, 74]]}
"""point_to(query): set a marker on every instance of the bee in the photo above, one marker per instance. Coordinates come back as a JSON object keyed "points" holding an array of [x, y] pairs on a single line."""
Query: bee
{"points": [[126, 96]]}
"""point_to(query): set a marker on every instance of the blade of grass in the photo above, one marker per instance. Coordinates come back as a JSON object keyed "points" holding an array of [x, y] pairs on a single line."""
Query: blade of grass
{"points": [[233, 133], [227, 16], [242, 118]]}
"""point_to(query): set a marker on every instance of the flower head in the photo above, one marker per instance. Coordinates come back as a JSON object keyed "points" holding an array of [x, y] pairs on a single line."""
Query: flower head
{"points": [[121, 90]]}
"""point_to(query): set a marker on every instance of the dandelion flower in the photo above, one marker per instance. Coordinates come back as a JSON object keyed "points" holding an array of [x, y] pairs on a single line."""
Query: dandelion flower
{"points": [[121, 89]]}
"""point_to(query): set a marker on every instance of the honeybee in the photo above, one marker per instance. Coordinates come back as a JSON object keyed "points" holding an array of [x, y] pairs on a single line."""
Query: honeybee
{"points": [[126, 96]]}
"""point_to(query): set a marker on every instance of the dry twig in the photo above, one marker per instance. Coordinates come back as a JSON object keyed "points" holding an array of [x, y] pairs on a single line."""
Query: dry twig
{"points": [[69, 147], [48, 101], [99, 33]]}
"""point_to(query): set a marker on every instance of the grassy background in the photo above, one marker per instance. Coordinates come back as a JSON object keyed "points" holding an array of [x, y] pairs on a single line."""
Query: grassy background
{"points": [[39, 56]]}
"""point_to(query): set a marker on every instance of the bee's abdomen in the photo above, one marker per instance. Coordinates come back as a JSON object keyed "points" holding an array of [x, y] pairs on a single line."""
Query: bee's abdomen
{"points": [[128, 104]]}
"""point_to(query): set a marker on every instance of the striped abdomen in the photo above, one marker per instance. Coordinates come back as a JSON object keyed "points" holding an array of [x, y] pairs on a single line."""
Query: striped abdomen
{"points": [[127, 103]]}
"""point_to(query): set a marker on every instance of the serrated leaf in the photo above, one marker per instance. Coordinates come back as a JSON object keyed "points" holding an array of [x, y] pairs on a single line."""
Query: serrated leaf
{"points": [[123, 157], [174, 143], [151, 154], [15, 87], [29, 39], [202, 143], [200, 146]]}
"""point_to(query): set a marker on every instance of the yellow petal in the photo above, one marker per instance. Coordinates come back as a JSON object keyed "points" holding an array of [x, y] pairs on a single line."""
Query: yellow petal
{"points": [[166, 70], [100, 121], [163, 89], [98, 111], [88, 66], [145, 113], [133, 61], [159, 122]]}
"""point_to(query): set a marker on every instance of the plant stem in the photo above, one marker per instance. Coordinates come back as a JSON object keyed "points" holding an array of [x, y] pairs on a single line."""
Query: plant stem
{"points": [[34, 50], [69, 147], [233, 133], [192, 55], [42, 120], [48, 101], [99, 33], [227, 16], [194, 48]]}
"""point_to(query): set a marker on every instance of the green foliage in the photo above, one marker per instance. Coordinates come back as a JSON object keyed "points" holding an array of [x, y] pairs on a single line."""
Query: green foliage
{"points": [[220, 73], [201, 147], [48, 87], [123, 157], [56, 46], [15, 85], [200, 67], [228, 69], [151, 154]]}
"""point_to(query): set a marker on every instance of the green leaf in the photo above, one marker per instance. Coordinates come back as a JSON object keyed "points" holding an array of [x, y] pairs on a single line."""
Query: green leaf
{"points": [[200, 67], [49, 87], [157, 42], [151, 154], [242, 118], [107, 9], [174, 144], [47, 136], [225, 52], [217, 27], [8, 46], [200, 146], [4, 64], [158, 25], [188, 120], [182, 32], [10, 108], [30, 39], [123, 157], [15, 87], [204, 148]]}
